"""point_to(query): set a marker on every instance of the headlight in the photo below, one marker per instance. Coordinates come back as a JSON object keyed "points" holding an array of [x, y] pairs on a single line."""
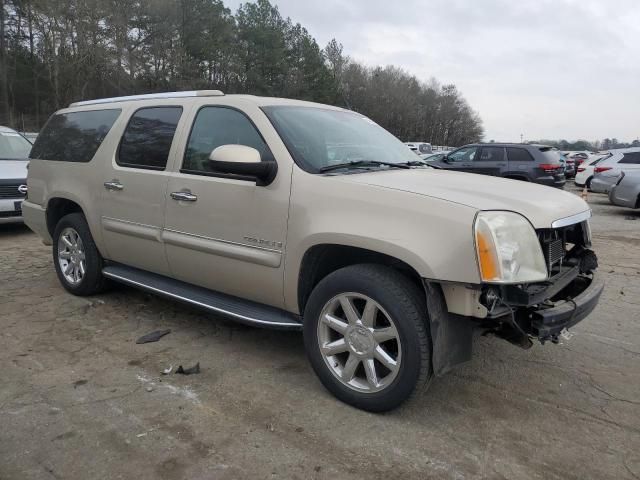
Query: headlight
{"points": [[508, 249]]}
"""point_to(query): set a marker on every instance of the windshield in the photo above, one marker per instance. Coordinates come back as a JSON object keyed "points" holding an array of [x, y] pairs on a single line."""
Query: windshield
{"points": [[318, 138], [14, 146]]}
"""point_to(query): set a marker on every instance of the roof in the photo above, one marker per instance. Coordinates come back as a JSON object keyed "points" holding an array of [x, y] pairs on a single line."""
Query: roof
{"points": [[6, 130], [507, 144], [260, 101]]}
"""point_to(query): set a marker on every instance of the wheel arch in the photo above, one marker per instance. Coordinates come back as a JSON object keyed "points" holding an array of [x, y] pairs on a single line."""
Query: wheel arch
{"points": [[321, 259], [58, 207]]}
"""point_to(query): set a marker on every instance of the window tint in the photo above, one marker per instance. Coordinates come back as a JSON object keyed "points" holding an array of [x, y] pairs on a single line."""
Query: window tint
{"points": [[216, 126], [632, 157], [73, 137], [147, 139], [491, 154], [515, 154], [464, 154]]}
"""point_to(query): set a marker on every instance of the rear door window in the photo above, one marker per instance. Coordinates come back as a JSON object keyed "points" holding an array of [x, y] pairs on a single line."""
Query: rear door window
{"points": [[491, 154], [147, 140], [631, 158], [515, 154], [74, 136]]}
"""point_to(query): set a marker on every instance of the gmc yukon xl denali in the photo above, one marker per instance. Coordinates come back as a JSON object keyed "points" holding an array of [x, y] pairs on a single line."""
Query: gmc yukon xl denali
{"points": [[294, 215]]}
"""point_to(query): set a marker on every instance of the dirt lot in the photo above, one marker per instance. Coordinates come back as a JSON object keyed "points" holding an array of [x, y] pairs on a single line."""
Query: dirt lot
{"points": [[80, 400]]}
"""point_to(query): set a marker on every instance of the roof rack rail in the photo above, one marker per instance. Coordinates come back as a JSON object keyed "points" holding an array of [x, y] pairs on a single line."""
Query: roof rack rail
{"points": [[151, 96]]}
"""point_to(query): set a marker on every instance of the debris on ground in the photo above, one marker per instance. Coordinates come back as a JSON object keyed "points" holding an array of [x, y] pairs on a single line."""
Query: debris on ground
{"points": [[167, 370], [149, 389], [153, 336], [189, 371]]}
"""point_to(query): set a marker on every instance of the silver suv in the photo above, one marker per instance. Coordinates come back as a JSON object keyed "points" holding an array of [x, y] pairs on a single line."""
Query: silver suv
{"points": [[14, 153], [293, 215]]}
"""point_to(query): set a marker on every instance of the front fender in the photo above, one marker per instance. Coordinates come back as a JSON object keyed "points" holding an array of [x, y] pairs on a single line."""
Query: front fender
{"points": [[431, 235]]}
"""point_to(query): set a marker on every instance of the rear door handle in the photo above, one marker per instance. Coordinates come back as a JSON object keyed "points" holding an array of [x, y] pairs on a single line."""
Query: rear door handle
{"points": [[184, 196], [113, 185]]}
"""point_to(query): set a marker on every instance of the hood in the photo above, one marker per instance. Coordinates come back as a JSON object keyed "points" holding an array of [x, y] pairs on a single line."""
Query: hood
{"points": [[13, 169], [540, 204]]}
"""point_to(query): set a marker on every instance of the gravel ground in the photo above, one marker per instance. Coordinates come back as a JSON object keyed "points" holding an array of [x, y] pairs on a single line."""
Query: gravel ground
{"points": [[79, 399]]}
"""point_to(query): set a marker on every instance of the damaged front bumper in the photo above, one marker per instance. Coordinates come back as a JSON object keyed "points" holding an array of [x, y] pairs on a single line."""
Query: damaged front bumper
{"points": [[547, 321], [544, 310]]}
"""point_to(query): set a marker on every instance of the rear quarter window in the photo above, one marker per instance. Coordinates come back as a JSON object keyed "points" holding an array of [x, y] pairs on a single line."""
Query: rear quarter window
{"points": [[73, 136], [515, 154], [550, 155]]}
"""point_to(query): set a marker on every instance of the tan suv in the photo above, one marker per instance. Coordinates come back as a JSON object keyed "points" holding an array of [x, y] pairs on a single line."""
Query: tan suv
{"points": [[293, 215]]}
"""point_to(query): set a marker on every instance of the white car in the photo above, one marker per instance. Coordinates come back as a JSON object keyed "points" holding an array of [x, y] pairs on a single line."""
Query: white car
{"points": [[608, 170], [585, 172], [14, 157]]}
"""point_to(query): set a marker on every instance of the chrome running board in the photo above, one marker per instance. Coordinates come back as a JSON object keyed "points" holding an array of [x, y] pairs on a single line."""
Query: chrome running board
{"points": [[243, 311]]}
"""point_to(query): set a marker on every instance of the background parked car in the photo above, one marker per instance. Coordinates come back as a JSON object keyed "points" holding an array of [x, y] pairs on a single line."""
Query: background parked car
{"points": [[608, 170], [567, 168], [421, 148], [585, 171], [14, 154], [626, 191], [531, 163], [578, 157]]}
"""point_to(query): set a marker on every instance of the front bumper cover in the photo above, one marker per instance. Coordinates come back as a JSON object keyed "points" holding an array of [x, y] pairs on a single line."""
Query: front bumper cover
{"points": [[548, 322]]}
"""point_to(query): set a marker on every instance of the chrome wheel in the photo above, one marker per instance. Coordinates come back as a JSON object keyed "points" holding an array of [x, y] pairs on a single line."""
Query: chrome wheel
{"points": [[71, 256], [359, 342]]}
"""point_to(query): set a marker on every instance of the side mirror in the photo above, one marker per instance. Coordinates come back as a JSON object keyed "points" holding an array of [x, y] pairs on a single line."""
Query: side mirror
{"points": [[243, 161], [446, 159]]}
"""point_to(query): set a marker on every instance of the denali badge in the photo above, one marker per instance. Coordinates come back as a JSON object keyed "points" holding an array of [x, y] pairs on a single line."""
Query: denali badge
{"points": [[262, 242]]}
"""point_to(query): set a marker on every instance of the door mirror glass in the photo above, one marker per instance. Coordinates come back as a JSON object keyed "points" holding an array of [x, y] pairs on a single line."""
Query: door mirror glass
{"points": [[242, 161]]}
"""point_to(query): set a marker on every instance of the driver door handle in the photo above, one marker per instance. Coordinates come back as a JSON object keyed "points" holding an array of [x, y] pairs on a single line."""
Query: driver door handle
{"points": [[113, 185], [184, 196]]}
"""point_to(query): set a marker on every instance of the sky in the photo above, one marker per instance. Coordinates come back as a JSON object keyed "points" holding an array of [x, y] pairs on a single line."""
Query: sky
{"points": [[546, 69]]}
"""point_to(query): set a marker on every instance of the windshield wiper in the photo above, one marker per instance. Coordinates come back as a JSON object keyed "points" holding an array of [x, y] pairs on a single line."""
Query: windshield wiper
{"points": [[416, 163], [362, 163]]}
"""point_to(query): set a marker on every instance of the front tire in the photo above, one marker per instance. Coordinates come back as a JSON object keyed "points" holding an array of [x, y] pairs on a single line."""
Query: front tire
{"points": [[367, 338], [76, 258]]}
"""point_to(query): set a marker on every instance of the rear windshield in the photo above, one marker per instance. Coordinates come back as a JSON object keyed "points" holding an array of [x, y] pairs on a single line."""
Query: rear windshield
{"points": [[75, 136], [551, 154], [14, 146]]}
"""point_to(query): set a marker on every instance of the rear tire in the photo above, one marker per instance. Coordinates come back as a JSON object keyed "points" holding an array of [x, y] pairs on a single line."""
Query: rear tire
{"points": [[76, 258], [366, 335], [588, 183]]}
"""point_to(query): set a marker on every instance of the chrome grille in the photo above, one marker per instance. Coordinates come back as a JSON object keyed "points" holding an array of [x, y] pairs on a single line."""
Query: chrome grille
{"points": [[11, 191]]}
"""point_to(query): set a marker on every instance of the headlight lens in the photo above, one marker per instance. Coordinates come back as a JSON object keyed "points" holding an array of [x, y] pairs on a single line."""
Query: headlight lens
{"points": [[508, 249]]}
